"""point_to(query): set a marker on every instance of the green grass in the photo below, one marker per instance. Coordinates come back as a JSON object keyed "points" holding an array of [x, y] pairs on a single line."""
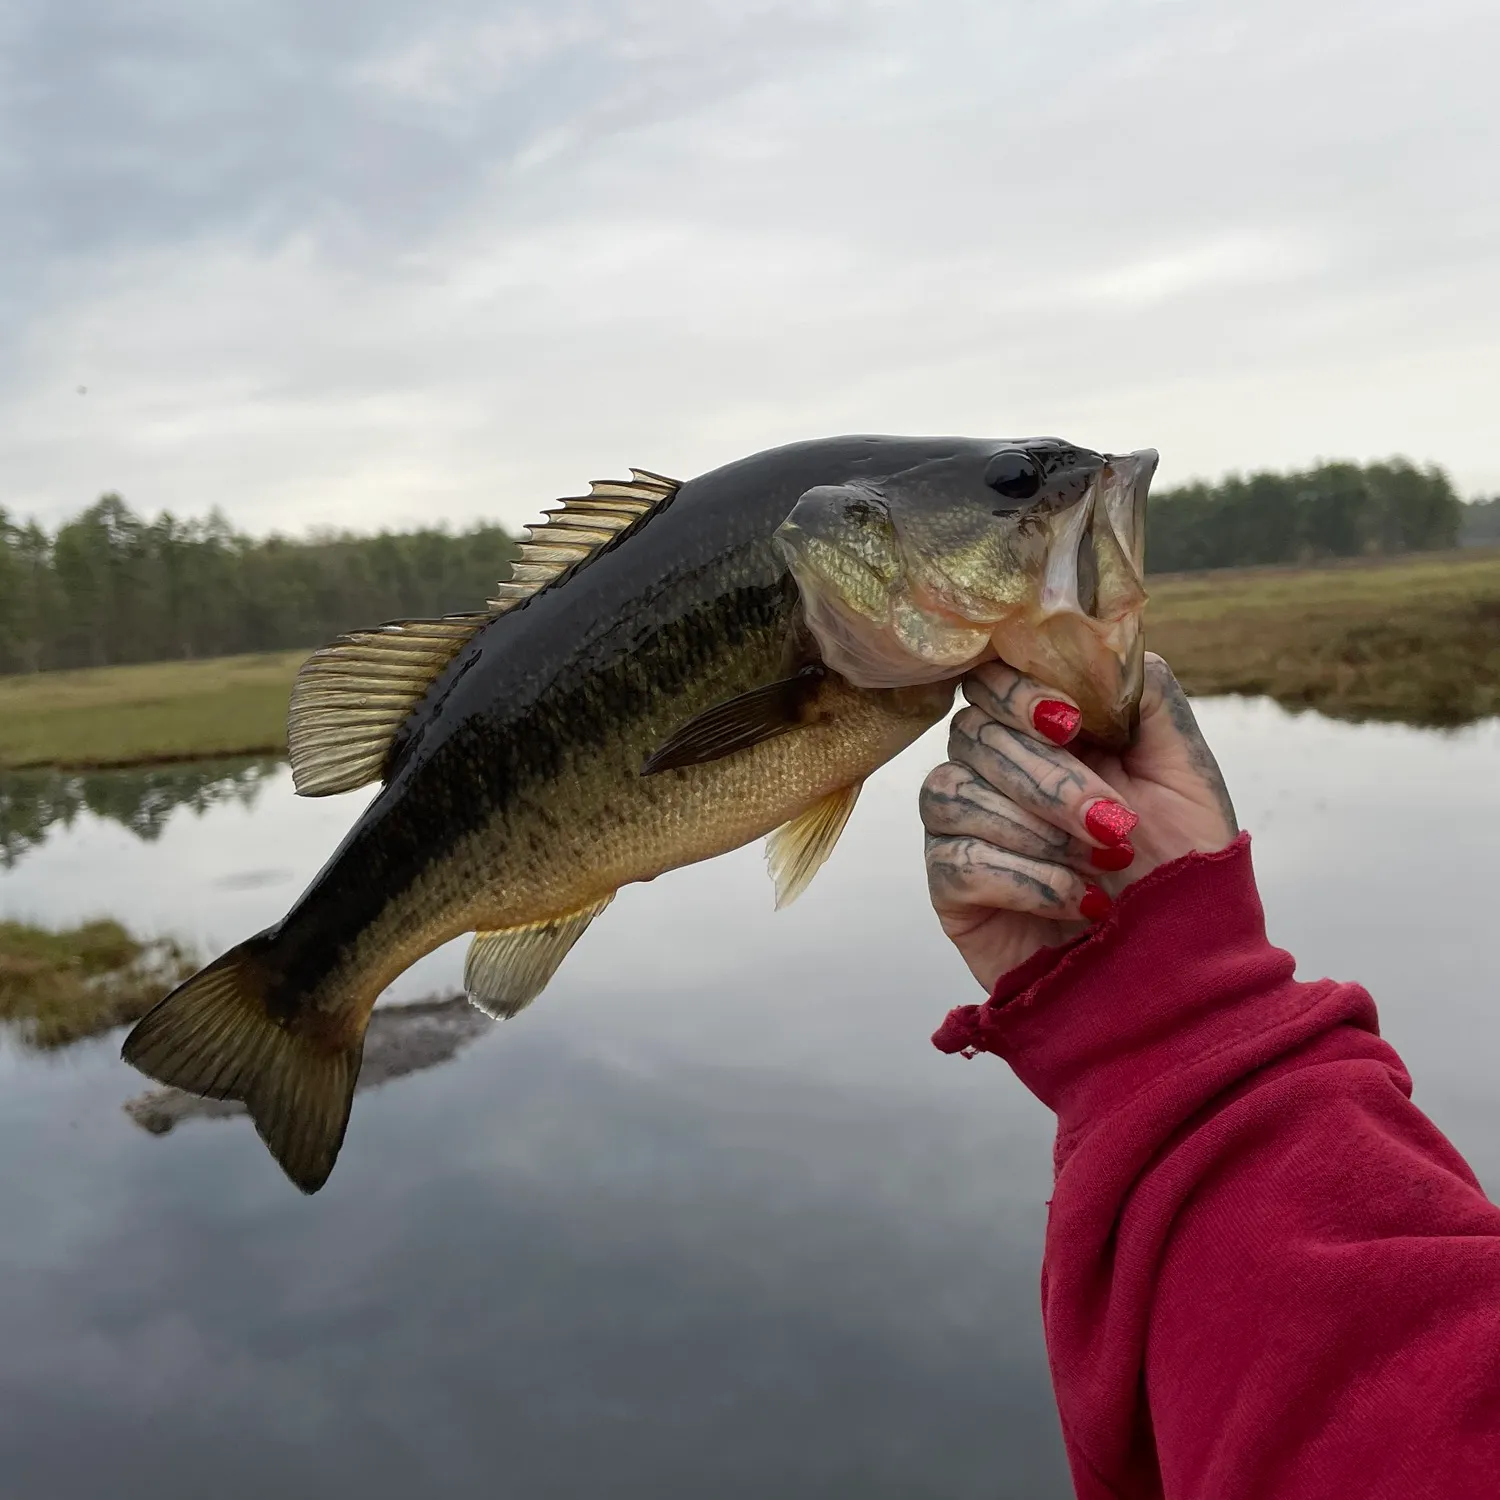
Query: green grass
{"points": [[1414, 639], [57, 988], [162, 711]]}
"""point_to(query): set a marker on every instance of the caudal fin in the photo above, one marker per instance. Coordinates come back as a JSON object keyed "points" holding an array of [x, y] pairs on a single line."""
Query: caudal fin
{"points": [[216, 1036]]}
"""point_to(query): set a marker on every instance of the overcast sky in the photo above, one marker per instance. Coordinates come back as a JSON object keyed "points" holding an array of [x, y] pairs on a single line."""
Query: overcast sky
{"points": [[380, 264]]}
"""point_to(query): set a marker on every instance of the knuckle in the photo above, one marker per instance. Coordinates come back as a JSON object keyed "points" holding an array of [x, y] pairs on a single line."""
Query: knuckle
{"points": [[948, 871], [946, 780], [938, 810], [997, 676], [964, 733], [980, 689], [970, 722]]}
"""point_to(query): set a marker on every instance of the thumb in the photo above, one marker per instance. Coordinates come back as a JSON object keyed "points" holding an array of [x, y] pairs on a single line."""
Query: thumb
{"points": [[1169, 748]]}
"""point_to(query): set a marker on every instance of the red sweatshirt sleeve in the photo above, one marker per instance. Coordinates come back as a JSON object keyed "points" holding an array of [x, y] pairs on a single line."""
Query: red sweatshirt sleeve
{"points": [[1267, 1275]]}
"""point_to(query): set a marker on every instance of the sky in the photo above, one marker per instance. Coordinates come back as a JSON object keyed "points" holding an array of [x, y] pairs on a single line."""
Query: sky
{"points": [[393, 263]]}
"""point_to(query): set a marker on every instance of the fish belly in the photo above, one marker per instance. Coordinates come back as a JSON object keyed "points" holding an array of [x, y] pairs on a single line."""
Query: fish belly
{"points": [[607, 825]]}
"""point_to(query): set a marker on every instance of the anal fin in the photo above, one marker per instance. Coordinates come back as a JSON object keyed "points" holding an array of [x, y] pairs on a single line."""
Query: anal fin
{"points": [[795, 852], [509, 967]]}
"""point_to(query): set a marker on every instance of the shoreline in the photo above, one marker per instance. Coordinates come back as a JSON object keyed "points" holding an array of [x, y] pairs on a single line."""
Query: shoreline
{"points": [[147, 763], [1412, 639], [279, 753]]}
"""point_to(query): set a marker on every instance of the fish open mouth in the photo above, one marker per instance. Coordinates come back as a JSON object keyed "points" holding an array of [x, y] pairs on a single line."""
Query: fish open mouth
{"points": [[900, 590], [1086, 635]]}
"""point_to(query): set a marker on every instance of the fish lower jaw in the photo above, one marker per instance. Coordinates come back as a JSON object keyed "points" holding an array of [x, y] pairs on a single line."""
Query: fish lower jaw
{"points": [[1097, 663]]}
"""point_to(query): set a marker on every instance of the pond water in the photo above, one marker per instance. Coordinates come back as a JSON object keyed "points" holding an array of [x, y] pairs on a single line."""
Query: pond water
{"points": [[712, 1218]]}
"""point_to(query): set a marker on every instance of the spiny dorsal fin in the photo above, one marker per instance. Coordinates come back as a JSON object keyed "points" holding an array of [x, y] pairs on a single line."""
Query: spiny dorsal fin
{"points": [[352, 695], [576, 528], [507, 969], [795, 852]]}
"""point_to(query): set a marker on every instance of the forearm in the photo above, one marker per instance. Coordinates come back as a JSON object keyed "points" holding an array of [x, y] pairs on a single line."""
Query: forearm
{"points": [[1266, 1272]]}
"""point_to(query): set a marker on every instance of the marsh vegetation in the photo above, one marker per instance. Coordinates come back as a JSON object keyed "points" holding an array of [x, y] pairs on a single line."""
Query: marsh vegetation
{"points": [[154, 712], [1413, 640], [58, 987]]}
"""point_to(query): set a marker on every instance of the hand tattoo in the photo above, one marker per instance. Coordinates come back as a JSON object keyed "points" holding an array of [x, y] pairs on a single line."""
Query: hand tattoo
{"points": [[1202, 758]]}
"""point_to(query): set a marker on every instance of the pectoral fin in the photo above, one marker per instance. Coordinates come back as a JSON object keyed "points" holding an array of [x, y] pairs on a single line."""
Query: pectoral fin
{"points": [[507, 969], [795, 852], [738, 723]]}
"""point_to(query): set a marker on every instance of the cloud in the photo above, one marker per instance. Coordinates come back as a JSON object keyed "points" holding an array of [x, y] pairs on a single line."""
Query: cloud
{"points": [[374, 265], [1212, 265]]}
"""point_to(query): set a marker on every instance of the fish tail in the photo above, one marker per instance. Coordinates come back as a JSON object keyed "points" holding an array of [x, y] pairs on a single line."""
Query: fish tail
{"points": [[224, 1034]]}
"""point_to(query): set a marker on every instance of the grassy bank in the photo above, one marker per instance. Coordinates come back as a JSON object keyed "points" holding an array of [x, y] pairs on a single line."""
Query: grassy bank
{"points": [[1413, 639], [59, 987], [162, 711]]}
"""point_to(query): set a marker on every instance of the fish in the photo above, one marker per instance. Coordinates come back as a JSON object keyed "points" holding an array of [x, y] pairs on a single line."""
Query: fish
{"points": [[672, 671]]}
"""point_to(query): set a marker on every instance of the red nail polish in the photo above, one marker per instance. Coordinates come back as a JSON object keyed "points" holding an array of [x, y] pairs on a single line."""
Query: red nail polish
{"points": [[1056, 720], [1109, 822], [1118, 858], [1095, 903]]}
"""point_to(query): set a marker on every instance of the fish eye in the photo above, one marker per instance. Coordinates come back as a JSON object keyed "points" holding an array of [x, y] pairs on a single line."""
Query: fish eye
{"points": [[1013, 473]]}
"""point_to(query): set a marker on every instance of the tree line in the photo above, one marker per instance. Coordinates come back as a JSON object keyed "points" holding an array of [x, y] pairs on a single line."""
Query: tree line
{"points": [[1333, 510], [111, 586], [1481, 523]]}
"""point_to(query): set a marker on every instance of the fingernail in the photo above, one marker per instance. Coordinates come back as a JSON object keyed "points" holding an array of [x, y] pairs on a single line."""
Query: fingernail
{"points": [[1057, 720], [1118, 858], [1095, 903], [1109, 822]]}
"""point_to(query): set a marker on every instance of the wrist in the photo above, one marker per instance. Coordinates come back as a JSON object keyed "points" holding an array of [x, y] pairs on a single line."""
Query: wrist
{"points": [[1182, 959]]}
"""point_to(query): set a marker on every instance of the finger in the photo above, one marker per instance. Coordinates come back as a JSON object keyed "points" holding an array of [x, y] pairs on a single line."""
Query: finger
{"points": [[1020, 702], [964, 874], [955, 801], [1044, 779]]}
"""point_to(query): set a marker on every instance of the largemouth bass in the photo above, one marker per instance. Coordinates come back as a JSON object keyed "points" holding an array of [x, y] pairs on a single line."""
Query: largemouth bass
{"points": [[672, 671]]}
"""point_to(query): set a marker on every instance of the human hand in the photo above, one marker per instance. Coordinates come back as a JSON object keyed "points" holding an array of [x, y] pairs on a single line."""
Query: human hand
{"points": [[1028, 842]]}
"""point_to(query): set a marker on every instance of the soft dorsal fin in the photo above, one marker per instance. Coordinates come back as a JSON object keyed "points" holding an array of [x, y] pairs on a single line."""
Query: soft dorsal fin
{"points": [[577, 528], [795, 852], [508, 968], [352, 695]]}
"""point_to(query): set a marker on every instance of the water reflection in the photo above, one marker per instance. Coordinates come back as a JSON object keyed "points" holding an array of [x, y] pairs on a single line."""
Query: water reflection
{"points": [[711, 1218], [34, 802]]}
